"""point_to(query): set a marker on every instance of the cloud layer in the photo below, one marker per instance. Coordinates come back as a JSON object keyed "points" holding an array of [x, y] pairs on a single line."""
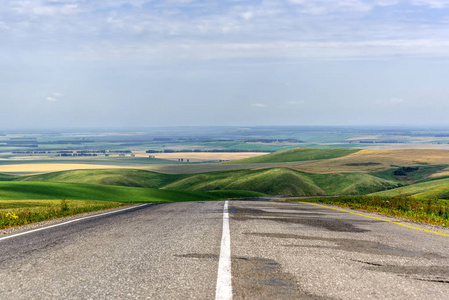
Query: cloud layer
{"points": [[223, 62], [191, 29]]}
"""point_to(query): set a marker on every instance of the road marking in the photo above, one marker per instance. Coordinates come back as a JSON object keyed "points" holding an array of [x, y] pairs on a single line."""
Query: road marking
{"points": [[376, 218], [224, 277], [71, 221]]}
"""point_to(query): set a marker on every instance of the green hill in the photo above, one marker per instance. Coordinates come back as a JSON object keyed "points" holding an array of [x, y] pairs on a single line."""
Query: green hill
{"points": [[298, 154], [273, 181], [424, 190], [284, 181], [118, 177], [276, 181]]}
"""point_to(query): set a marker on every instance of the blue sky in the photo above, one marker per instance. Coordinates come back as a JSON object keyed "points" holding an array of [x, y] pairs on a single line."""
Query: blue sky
{"points": [[114, 63]]}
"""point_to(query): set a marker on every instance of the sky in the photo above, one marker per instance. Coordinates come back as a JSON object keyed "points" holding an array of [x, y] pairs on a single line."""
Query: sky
{"points": [[146, 63]]}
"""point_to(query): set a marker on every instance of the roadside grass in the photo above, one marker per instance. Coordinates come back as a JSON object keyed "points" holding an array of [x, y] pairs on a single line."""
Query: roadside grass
{"points": [[298, 154], [431, 211], [16, 213]]}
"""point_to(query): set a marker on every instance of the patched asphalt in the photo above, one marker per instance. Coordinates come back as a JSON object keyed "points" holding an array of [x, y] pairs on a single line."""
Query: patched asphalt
{"points": [[279, 250], [330, 254]]}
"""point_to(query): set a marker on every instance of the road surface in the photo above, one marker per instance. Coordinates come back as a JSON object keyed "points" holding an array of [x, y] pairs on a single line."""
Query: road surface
{"points": [[278, 250]]}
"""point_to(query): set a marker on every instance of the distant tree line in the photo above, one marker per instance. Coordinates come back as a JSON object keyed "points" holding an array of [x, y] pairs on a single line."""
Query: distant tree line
{"points": [[273, 141], [206, 151]]}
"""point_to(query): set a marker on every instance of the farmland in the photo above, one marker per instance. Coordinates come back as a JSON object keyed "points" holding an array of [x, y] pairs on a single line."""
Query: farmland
{"points": [[215, 163]]}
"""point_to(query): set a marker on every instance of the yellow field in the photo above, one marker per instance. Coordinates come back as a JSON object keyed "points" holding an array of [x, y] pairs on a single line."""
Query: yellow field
{"points": [[51, 167], [201, 156], [377, 160]]}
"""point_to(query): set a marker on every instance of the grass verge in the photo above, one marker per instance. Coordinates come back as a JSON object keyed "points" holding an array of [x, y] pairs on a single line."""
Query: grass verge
{"points": [[16, 213], [431, 211]]}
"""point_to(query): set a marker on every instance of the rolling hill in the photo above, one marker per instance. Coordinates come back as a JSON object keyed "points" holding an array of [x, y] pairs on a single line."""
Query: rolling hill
{"points": [[271, 181], [284, 181]]}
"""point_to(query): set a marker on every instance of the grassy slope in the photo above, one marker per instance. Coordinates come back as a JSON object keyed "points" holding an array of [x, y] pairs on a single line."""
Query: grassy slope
{"points": [[274, 181], [299, 154], [429, 189], [118, 177], [77, 191], [351, 183], [283, 181]]}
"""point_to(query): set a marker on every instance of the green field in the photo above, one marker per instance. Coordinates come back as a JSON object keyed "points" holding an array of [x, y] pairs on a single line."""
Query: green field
{"points": [[298, 154], [118, 177], [77, 191]]}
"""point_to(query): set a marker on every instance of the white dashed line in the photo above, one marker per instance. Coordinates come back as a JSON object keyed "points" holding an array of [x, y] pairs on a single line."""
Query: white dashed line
{"points": [[224, 277]]}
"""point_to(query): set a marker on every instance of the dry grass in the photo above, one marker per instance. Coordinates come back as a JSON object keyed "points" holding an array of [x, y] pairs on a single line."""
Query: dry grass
{"points": [[201, 156], [377, 160], [442, 173]]}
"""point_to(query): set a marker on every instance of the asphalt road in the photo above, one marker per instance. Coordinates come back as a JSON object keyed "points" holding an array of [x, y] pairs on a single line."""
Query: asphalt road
{"points": [[279, 250]]}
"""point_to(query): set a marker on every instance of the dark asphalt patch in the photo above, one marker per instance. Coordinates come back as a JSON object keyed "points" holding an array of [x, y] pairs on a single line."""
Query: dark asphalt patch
{"points": [[437, 274], [260, 278], [245, 214], [352, 245]]}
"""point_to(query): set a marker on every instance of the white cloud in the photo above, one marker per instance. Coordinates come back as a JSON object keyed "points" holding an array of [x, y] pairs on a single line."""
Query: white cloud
{"points": [[259, 105], [247, 15], [54, 97]]}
